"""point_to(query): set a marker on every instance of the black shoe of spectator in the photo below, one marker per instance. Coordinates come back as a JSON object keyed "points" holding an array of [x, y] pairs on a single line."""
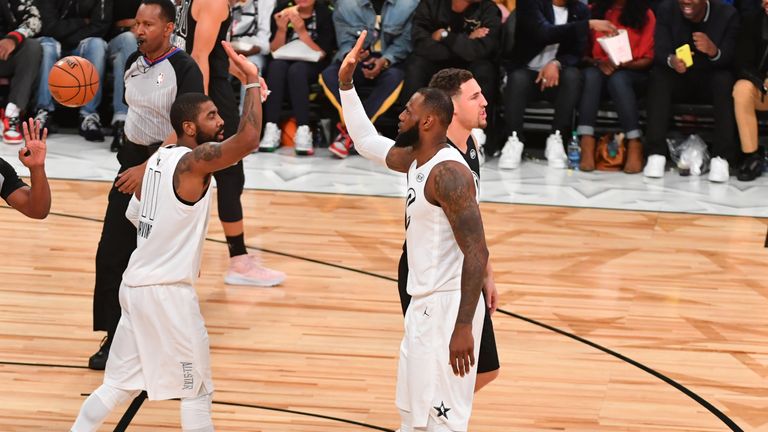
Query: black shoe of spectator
{"points": [[44, 117], [90, 128], [752, 167], [119, 137], [98, 361]]}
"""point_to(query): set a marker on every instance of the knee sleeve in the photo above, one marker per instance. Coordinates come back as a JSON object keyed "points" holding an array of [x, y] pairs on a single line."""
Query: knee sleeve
{"points": [[98, 406], [230, 182], [196, 414]]}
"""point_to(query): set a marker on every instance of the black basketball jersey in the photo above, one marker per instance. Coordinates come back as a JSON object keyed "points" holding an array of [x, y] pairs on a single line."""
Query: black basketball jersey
{"points": [[218, 62], [471, 156]]}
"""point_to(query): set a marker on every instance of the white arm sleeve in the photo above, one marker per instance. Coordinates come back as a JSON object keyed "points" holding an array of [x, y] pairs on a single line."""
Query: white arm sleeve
{"points": [[368, 142], [132, 213]]}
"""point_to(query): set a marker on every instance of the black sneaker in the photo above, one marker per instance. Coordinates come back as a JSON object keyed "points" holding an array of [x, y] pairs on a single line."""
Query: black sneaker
{"points": [[44, 117], [751, 168], [90, 128], [98, 361], [119, 137]]}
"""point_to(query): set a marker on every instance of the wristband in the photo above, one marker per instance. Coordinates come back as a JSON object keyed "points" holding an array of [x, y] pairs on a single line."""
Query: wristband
{"points": [[252, 85]]}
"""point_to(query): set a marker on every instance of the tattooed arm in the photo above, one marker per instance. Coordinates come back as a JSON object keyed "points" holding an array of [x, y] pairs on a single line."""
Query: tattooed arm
{"points": [[194, 169], [452, 187]]}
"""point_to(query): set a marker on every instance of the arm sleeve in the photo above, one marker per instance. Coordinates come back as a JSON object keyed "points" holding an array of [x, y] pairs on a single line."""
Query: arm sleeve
{"points": [[132, 212], [477, 49], [421, 35], [368, 142], [9, 180]]}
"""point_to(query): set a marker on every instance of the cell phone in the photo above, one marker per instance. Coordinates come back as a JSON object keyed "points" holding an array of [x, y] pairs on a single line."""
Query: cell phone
{"points": [[684, 54]]}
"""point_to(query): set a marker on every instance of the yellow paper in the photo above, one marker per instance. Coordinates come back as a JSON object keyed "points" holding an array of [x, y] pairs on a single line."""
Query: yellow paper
{"points": [[684, 54]]}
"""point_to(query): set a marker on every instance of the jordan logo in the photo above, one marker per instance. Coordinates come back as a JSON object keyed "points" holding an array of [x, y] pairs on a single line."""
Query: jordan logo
{"points": [[442, 411], [425, 312]]}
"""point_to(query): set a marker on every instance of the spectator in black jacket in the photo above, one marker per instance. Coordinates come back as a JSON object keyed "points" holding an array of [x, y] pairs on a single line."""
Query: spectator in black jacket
{"points": [[74, 27], [751, 88], [454, 33], [710, 29], [19, 57], [551, 39]]}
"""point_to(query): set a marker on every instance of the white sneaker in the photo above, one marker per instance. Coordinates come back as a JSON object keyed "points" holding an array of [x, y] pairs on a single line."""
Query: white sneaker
{"points": [[512, 153], [655, 166], [480, 138], [302, 141], [271, 139], [718, 170], [555, 153]]}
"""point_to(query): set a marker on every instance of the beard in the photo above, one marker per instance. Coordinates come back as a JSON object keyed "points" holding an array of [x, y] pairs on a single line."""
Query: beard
{"points": [[203, 138], [407, 138]]}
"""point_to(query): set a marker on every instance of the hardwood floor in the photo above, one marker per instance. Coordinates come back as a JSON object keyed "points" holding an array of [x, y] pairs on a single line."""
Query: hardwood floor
{"points": [[685, 295]]}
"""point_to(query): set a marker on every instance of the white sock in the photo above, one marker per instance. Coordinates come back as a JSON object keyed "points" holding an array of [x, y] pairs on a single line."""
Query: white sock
{"points": [[98, 406], [196, 414], [11, 110]]}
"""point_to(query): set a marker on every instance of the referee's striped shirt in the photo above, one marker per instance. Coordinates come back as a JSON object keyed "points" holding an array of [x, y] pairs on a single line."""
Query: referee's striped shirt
{"points": [[150, 89]]}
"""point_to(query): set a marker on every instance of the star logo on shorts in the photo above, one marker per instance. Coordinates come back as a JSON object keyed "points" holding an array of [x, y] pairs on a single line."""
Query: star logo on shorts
{"points": [[442, 411]]}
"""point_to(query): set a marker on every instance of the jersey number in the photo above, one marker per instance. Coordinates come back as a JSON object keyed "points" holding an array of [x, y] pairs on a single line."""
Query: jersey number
{"points": [[149, 199]]}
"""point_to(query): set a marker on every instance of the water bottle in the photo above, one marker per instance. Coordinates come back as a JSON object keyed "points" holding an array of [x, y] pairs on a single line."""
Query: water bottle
{"points": [[574, 152]]}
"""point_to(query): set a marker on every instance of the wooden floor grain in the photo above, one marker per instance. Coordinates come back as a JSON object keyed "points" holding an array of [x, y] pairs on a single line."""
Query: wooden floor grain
{"points": [[686, 295]]}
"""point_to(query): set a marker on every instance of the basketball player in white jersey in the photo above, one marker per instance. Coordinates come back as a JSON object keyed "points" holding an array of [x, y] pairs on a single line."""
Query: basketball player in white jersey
{"points": [[161, 344], [447, 257]]}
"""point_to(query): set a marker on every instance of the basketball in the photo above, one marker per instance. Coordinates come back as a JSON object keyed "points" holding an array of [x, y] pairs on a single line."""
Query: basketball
{"points": [[73, 81]]}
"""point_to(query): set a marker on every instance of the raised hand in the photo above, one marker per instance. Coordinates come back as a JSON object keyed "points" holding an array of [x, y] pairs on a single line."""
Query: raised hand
{"points": [[353, 57], [242, 68], [32, 155]]}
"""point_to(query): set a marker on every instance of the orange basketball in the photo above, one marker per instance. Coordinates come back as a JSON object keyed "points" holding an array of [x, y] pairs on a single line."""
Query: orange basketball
{"points": [[73, 81]]}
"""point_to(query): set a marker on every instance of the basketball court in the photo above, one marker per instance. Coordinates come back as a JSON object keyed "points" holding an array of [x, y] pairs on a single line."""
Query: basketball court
{"points": [[625, 305]]}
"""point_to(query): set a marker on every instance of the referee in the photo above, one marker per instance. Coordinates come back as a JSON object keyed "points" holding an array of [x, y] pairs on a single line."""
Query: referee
{"points": [[154, 76]]}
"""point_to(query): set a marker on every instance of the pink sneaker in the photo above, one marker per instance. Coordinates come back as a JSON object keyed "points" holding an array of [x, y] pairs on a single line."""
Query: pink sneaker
{"points": [[247, 270]]}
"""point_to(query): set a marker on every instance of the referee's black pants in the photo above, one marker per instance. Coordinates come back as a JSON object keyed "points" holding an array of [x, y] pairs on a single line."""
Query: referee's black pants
{"points": [[117, 243]]}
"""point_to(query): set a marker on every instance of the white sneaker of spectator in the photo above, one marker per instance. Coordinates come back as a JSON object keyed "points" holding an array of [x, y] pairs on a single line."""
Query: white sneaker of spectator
{"points": [[271, 139], [718, 170], [555, 153], [512, 153], [302, 141], [655, 166], [480, 138]]}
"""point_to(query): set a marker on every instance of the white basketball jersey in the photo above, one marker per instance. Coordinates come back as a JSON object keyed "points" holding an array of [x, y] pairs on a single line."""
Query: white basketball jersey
{"points": [[434, 257], [170, 234]]}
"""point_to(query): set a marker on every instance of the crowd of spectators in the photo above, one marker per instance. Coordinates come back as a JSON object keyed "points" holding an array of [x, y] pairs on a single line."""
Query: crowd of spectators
{"points": [[555, 56]]}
